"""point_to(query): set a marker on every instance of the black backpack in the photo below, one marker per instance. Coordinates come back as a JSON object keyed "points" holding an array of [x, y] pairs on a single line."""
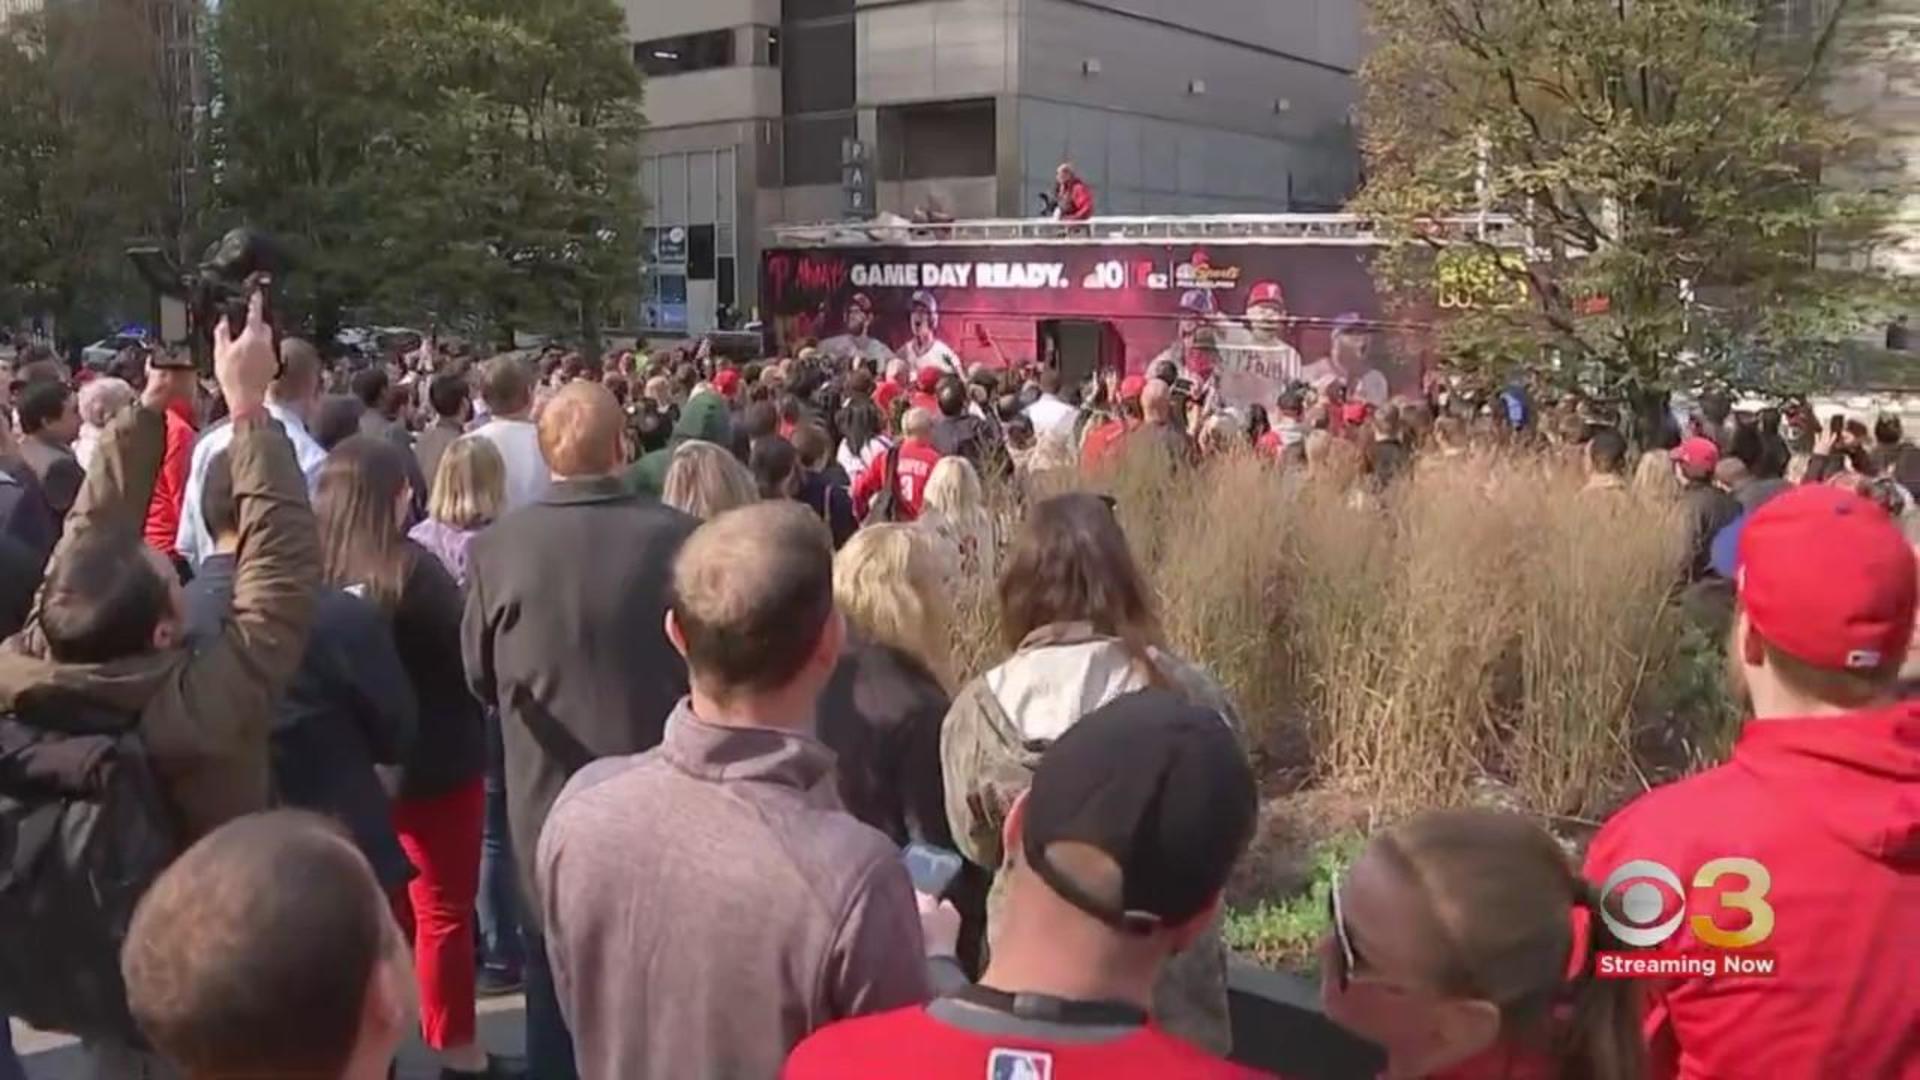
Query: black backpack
{"points": [[885, 507], [84, 831]]}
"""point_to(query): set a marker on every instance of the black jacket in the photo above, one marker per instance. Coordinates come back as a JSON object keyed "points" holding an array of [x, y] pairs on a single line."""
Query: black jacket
{"points": [[833, 504], [348, 708], [881, 715], [1707, 510], [965, 436], [20, 572], [25, 513], [564, 632], [452, 746]]}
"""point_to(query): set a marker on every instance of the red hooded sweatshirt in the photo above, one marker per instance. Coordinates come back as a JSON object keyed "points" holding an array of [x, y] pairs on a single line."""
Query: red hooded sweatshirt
{"points": [[1831, 807], [162, 528]]}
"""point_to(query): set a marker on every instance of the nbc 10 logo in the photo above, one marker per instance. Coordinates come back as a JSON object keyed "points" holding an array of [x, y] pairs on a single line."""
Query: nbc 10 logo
{"points": [[1644, 903]]}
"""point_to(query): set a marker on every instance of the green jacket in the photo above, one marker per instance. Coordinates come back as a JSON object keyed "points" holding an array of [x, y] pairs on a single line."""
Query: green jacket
{"points": [[991, 741], [704, 418]]}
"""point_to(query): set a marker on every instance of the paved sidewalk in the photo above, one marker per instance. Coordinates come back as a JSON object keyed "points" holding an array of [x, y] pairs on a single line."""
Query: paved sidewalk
{"points": [[502, 1028]]}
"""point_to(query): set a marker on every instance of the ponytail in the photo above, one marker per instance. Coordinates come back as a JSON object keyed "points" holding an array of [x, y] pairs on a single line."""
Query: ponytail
{"points": [[1600, 1036]]}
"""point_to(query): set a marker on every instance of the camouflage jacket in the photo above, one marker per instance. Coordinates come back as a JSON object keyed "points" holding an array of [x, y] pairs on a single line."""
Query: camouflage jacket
{"points": [[992, 739]]}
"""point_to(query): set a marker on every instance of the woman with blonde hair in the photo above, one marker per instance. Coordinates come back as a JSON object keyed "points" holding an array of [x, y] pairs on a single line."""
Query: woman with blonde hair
{"points": [[1653, 475], [469, 493], [704, 480], [955, 510], [882, 711]]}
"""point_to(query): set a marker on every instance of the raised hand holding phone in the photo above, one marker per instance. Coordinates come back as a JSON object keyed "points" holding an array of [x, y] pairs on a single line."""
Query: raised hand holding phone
{"points": [[246, 365]]}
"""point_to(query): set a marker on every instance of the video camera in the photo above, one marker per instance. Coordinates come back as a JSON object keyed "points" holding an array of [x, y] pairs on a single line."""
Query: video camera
{"points": [[221, 286]]}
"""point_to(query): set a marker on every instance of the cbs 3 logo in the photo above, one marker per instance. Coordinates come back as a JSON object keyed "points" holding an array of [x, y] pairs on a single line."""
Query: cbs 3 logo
{"points": [[1637, 918]]}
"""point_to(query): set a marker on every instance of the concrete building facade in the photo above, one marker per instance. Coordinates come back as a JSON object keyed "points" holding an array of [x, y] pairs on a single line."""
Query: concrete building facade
{"points": [[968, 105]]}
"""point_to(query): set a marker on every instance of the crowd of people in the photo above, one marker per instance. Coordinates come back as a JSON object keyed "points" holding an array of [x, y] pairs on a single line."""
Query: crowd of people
{"points": [[635, 686]]}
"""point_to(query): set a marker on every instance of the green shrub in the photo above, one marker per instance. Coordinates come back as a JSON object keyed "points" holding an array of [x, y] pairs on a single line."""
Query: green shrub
{"points": [[1285, 933]]}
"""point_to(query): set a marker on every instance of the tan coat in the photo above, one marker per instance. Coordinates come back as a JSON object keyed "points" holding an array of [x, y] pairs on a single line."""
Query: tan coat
{"points": [[204, 715], [991, 742]]}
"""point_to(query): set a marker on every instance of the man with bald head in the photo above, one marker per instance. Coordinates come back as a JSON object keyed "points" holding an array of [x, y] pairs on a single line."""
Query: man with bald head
{"points": [[766, 911], [1163, 428], [566, 602]]}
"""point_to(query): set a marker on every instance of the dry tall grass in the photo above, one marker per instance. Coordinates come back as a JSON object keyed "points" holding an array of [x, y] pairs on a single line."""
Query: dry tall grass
{"points": [[1484, 621]]}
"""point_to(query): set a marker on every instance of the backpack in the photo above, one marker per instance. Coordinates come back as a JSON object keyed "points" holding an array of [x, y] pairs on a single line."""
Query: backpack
{"points": [[885, 507], [84, 831]]}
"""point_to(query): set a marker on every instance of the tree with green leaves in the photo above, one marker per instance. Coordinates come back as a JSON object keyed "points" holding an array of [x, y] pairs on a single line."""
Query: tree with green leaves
{"points": [[95, 152], [1665, 158], [468, 164]]}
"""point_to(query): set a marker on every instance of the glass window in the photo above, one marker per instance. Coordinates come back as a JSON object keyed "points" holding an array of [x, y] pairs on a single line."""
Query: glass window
{"points": [[700, 187], [815, 9], [816, 70], [725, 285], [672, 207], [650, 179], [729, 196], [766, 46], [947, 138], [810, 148], [688, 52], [700, 253]]}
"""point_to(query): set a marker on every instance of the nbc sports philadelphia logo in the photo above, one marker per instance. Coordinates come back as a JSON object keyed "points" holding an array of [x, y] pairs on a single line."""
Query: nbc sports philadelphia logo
{"points": [[1710, 928]]}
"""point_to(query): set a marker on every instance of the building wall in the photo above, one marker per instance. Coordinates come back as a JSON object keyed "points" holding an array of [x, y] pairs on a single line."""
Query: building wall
{"points": [[1108, 84], [1166, 106]]}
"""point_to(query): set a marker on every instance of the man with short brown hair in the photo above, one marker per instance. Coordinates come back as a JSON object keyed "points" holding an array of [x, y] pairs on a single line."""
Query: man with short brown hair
{"points": [[268, 950], [506, 387], [768, 910]]}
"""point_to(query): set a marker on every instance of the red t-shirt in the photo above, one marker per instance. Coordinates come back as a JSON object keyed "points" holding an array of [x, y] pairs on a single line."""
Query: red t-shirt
{"points": [[908, 1042], [1103, 443], [917, 460]]}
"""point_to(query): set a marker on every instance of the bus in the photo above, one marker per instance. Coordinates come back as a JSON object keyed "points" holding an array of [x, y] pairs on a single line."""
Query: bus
{"points": [[1254, 301]]}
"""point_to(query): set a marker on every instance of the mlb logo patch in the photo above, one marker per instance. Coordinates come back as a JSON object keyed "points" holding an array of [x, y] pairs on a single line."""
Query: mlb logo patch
{"points": [[1005, 1064]]}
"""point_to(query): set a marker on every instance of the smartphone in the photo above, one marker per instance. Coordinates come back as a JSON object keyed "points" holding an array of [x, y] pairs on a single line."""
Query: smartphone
{"points": [[933, 869]]}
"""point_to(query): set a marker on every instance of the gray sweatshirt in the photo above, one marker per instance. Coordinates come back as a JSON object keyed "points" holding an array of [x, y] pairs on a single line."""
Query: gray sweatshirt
{"points": [[709, 904]]}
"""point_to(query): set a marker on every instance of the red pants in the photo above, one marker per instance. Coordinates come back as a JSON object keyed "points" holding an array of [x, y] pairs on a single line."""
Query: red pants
{"points": [[441, 837]]}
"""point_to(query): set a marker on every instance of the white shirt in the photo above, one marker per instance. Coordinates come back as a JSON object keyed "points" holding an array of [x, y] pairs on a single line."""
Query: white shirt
{"points": [[518, 441], [937, 354], [856, 463], [193, 542], [1051, 416]]}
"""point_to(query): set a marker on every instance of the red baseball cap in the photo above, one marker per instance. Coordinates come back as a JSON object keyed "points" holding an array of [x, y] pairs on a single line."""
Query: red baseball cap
{"points": [[727, 381], [1697, 454], [884, 394], [1354, 412], [927, 379], [1132, 387], [1826, 577], [1266, 292]]}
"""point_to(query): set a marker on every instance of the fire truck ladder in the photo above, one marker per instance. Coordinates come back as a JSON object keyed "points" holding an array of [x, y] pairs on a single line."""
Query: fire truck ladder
{"points": [[1318, 229]]}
